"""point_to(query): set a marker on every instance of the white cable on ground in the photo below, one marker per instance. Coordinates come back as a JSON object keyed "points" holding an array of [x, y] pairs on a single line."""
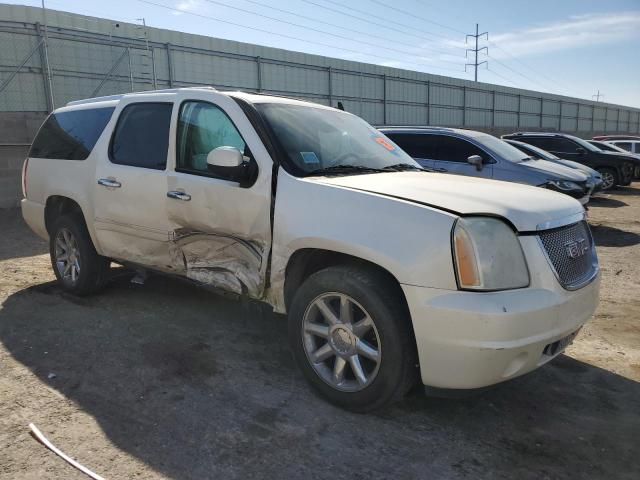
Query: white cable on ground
{"points": [[42, 439]]}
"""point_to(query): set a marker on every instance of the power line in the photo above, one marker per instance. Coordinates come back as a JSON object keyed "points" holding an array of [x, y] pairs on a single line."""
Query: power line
{"points": [[598, 96], [367, 34], [291, 37], [413, 15], [476, 50], [502, 77], [403, 30], [324, 32]]}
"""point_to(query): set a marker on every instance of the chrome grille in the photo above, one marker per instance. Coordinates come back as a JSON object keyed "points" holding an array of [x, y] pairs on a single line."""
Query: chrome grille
{"points": [[571, 253]]}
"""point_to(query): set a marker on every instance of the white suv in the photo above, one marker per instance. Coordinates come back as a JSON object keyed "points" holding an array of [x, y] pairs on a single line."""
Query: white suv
{"points": [[388, 273]]}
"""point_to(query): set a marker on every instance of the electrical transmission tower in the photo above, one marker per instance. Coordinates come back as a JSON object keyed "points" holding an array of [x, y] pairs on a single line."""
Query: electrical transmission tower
{"points": [[475, 64], [598, 96]]}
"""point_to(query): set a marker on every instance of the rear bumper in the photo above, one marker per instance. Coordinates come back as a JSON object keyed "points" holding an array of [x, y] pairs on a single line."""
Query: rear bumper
{"points": [[471, 340], [33, 214]]}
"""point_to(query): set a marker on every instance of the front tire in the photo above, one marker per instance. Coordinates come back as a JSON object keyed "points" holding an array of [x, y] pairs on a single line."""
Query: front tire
{"points": [[610, 178], [77, 266], [351, 337]]}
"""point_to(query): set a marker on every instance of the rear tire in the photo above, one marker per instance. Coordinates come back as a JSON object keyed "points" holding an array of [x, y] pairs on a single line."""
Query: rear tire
{"points": [[610, 178], [76, 264], [354, 363]]}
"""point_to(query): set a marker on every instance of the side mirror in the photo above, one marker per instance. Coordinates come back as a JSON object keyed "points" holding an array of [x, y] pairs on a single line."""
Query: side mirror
{"points": [[476, 160], [226, 157], [581, 151], [228, 163]]}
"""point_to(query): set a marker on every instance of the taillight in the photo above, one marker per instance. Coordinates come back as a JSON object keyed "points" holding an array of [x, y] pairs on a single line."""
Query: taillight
{"points": [[24, 177]]}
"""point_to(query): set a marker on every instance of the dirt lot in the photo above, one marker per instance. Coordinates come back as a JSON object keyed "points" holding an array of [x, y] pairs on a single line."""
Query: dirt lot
{"points": [[168, 381]]}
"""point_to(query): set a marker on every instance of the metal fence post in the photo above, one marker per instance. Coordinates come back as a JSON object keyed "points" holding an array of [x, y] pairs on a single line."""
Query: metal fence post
{"points": [[330, 86], [541, 111], [44, 66], [428, 103], [130, 68], [519, 110], [384, 99], [259, 73], [464, 106], [493, 109], [560, 116], [169, 64]]}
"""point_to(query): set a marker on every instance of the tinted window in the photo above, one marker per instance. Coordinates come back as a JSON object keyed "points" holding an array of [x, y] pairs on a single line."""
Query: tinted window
{"points": [[70, 135], [552, 144], [624, 145], [452, 149], [203, 127], [141, 138], [416, 145]]}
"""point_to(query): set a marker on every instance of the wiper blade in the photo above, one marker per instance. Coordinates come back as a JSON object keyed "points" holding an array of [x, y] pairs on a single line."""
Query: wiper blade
{"points": [[343, 169], [403, 167]]}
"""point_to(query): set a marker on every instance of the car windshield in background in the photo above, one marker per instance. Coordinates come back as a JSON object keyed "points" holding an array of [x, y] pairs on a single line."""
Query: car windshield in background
{"points": [[318, 140], [584, 144], [501, 148], [543, 154]]}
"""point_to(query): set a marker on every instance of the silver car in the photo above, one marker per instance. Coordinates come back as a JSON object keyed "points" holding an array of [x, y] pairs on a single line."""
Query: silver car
{"points": [[477, 154]]}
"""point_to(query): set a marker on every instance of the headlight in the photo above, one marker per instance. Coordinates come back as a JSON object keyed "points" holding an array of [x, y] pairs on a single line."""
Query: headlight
{"points": [[488, 255], [562, 185]]}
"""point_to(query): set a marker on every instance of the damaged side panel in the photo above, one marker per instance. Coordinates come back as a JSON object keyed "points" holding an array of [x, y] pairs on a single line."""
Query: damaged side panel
{"points": [[219, 260]]}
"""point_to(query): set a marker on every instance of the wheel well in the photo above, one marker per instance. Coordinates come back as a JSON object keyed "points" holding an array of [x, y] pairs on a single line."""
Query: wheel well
{"points": [[57, 206], [305, 262]]}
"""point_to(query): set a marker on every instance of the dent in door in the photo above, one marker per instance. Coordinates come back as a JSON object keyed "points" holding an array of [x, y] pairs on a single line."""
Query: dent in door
{"points": [[220, 260]]}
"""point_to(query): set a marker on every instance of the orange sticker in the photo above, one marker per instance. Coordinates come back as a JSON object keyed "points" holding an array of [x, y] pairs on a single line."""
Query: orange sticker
{"points": [[385, 143]]}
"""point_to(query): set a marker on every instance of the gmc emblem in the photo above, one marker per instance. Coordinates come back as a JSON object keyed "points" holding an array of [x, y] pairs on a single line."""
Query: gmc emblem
{"points": [[576, 248]]}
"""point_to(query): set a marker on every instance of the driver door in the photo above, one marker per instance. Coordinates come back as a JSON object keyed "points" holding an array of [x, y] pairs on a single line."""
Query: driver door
{"points": [[452, 154], [220, 232]]}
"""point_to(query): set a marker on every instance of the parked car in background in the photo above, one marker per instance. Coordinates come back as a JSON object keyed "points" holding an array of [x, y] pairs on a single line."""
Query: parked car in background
{"points": [[539, 154], [388, 273], [606, 138], [631, 146], [613, 147], [615, 169], [477, 154]]}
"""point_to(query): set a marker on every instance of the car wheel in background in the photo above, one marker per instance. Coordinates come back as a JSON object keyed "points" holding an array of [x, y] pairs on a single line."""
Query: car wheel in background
{"points": [[609, 178]]}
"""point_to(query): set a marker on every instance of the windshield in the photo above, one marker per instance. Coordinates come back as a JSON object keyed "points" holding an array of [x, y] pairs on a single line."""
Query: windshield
{"points": [[501, 148], [538, 152], [584, 144], [316, 138], [606, 147]]}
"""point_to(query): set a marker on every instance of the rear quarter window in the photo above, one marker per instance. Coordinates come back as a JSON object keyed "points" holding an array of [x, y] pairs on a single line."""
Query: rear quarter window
{"points": [[70, 135]]}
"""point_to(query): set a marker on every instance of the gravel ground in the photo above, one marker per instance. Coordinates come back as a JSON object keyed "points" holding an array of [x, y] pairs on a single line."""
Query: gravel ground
{"points": [[168, 381]]}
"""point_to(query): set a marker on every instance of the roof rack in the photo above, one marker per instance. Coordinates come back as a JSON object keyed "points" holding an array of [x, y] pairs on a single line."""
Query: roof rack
{"points": [[122, 95]]}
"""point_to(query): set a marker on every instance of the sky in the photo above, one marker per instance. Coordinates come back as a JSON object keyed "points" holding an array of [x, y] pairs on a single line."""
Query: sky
{"points": [[569, 47]]}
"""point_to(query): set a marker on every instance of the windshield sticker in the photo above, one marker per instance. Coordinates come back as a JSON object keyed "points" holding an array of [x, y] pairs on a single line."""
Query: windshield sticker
{"points": [[309, 158], [385, 143]]}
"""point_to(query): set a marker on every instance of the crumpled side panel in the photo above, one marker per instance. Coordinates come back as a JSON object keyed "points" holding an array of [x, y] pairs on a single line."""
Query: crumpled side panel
{"points": [[219, 260]]}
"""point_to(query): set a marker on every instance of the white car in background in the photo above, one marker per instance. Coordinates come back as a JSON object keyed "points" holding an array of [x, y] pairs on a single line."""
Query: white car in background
{"points": [[388, 273]]}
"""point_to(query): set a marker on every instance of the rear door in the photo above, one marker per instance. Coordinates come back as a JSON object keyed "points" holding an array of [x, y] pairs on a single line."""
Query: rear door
{"points": [[451, 156], [220, 232], [130, 185]]}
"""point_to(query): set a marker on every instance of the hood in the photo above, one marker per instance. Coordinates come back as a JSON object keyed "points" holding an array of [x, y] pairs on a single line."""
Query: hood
{"points": [[555, 171], [578, 166], [524, 206]]}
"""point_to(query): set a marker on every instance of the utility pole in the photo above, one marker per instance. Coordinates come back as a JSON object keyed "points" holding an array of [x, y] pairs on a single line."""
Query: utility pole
{"points": [[598, 96], [475, 51], [46, 56]]}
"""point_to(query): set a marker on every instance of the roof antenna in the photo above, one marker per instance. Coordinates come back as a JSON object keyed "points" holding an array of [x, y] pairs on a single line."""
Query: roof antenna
{"points": [[340, 106]]}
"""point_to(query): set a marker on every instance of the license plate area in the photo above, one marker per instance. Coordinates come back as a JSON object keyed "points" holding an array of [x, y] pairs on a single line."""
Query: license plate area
{"points": [[557, 347]]}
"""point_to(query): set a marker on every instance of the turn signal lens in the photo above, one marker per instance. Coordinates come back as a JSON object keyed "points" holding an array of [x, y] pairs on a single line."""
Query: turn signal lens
{"points": [[466, 262]]}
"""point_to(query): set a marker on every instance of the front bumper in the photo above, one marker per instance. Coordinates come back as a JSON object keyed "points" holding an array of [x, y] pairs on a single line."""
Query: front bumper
{"points": [[475, 339]]}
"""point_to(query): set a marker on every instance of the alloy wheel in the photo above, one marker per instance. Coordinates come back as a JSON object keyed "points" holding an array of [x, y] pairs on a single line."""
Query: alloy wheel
{"points": [[607, 180], [341, 342], [67, 256]]}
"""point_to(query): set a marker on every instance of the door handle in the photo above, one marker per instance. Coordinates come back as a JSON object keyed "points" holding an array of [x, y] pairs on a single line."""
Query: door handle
{"points": [[185, 197], [107, 182]]}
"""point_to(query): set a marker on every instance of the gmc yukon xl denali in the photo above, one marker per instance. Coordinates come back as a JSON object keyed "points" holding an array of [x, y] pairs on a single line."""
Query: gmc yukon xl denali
{"points": [[388, 273]]}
